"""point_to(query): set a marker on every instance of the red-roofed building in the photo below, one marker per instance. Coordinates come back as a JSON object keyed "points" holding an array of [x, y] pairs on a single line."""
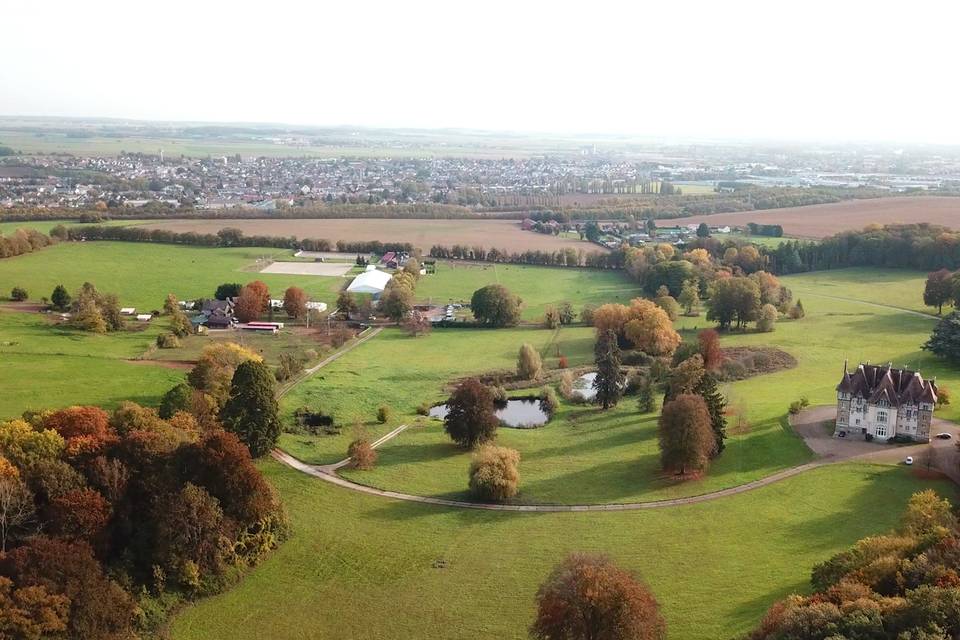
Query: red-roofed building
{"points": [[880, 402]]}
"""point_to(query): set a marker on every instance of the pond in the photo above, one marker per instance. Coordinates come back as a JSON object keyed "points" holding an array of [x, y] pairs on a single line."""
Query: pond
{"points": [[583, 386], [517, 413]]}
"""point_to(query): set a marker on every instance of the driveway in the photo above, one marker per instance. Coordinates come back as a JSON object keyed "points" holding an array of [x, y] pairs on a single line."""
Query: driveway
{"points": [[813, 426]]}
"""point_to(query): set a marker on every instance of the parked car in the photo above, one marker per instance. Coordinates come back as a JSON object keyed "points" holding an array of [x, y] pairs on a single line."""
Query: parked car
{"points": [[908, 461], [944, 436]]}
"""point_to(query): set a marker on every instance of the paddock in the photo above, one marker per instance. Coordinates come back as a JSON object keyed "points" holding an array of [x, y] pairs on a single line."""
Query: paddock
{"points": [[334, 269]]}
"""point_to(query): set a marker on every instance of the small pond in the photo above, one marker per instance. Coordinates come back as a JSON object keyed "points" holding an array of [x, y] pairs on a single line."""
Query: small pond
{"points": [[583, 386], [517, 413]]}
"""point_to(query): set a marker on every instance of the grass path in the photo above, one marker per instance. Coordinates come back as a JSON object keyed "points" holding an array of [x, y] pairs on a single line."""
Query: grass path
{"points": [[872, 304]]}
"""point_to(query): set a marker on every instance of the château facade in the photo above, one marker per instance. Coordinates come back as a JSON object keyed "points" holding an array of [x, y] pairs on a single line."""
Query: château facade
{"points": [[880, 402]]}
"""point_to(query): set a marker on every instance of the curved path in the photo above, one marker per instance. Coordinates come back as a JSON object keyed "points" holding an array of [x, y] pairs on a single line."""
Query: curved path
{"points": [[328, 474]]}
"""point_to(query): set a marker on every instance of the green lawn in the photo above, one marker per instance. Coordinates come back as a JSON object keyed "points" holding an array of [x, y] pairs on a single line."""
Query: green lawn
{"points": [[402, 372], [46, 366], [536, 286], [358, 566], [895, 287], [142, 274]]}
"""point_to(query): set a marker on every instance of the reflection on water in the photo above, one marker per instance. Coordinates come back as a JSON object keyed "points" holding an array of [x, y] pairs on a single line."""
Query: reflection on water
{"points": [[519, 413]]}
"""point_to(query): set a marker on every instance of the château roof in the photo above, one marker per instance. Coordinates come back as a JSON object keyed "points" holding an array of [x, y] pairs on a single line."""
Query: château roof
{"points": [[896, 386]]}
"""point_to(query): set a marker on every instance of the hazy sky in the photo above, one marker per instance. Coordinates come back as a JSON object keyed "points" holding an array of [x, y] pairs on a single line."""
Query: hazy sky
{"points": [[774, 69]]}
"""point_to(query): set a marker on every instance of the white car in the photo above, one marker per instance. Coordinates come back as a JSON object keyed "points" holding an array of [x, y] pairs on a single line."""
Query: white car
{"points": [[944, 436], [908, 461]]}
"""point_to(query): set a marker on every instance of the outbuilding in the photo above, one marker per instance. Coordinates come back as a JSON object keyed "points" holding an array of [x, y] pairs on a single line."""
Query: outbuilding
{"points": [[370, 282]]}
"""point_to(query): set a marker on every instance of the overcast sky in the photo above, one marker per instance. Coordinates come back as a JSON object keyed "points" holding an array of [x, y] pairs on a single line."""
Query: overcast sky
{"points": [[778, 69]]}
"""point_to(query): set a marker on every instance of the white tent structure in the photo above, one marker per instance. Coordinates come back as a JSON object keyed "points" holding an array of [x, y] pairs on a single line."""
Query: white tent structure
{"points": [[372, 282]]}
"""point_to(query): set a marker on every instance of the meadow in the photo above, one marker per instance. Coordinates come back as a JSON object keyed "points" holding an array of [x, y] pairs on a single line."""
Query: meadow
{"points": [[359, 566], [46, 366], [142, 274], [538, 287]]}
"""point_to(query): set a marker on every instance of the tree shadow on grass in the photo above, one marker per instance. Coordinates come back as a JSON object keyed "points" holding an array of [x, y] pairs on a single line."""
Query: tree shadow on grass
{"points": [[397, 454]]}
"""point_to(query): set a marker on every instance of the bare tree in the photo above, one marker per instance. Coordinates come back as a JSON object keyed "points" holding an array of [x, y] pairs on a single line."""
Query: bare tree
{"points": [[16, 507]]}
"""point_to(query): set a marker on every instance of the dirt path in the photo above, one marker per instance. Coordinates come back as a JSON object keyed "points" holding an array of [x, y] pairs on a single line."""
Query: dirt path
{"points": [[808, 424]]}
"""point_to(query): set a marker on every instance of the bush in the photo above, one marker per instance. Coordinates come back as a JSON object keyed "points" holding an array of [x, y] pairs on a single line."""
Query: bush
{"points": [[562, 363], [499, 394], [18, 294], [733, 370], [548, 400], [796, 311], [362, 454], [529, 364], [168, 341], [423, 409], [586, 314], [635, 358], [566, 385], [494, 473], [768, 318], [795, 407], [384, 414]]}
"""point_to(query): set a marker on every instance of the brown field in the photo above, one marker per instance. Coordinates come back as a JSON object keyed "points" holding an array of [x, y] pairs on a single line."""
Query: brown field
{"points": [[822, 220], [502, 234]]}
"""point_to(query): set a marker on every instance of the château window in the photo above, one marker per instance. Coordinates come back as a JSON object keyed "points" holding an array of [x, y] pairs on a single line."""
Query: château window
{"points": [[881, 417], [881, 431]]}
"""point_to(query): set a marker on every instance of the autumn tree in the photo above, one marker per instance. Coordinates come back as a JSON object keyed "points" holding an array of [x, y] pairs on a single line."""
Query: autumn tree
{"points": [[84, 429], [609, 379], [587, 597], [567, 314], [362, 454], [939, 289], [99, 607], [650, 329], [251, 412], [417, 324], [709, 342], [796, 311], [295, 302], [685, 377], [81, 514], [24, 446], [214, 370], [262, 292], [471, 419], [767, 318], [249, 305], [494, 473], [685, 435], [31, 613], [494, 305], [529, 364], [189, 529], [551, 317], [396, 301], [733, 299], [17, 510], [690, 298]]}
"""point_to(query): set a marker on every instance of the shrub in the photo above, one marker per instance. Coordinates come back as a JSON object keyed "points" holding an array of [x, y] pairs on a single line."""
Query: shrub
{"points": [[796, 311], [548, 400], [529, 364], [18, 294], [494, 473], [384, 414], [562, 363], [587, 596], [471, 419], [168, 341], [362, 454], [795, 407], [586, 314], [551, 319], [566, 385], [499, 394], [423, 409], [768, 318]]}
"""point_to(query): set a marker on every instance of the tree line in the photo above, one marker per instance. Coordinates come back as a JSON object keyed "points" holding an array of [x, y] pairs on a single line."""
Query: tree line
{"points": [[23, 241], [228, 237], [568, 257]]}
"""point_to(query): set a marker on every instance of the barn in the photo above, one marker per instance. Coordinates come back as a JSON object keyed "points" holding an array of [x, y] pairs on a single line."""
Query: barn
{"points": [[370, 282]]}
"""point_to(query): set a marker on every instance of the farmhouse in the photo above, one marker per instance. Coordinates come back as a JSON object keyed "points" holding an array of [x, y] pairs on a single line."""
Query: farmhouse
{"points": [[371, 282], [881, 402]]}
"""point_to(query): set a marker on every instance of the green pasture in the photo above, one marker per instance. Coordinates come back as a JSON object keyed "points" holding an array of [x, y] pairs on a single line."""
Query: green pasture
{"points": [[536, 286], [142, 274], [359, 566]]}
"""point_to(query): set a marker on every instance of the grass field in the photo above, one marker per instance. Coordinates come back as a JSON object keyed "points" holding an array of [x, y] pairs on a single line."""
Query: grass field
{"points": [[536, 286], [402, 372], [142, 274], [894, 287], [44, 366], [362, 567]]}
